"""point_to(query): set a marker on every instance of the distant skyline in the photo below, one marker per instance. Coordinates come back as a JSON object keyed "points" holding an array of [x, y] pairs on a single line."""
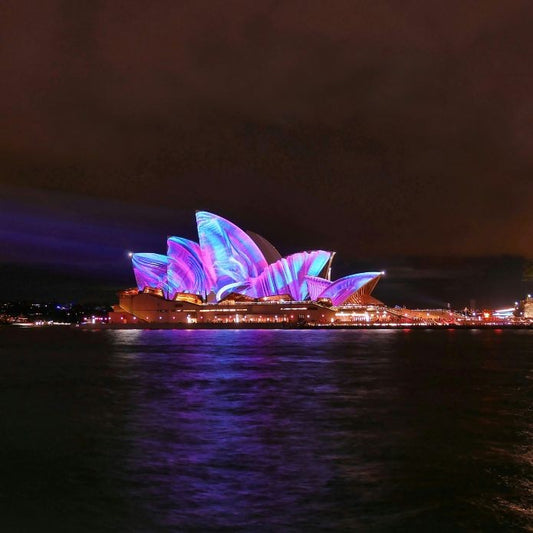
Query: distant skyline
{"points": [[378, 130]]}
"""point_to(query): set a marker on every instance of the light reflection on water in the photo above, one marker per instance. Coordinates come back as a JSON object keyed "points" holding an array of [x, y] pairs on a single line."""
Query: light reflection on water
{"points": [[274, 429]]}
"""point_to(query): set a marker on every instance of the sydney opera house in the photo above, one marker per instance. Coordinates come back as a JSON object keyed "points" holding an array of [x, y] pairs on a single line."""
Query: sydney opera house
{"points": [[236, 276]]}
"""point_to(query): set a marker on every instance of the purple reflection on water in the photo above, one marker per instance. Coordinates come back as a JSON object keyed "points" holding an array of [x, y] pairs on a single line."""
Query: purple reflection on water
{"points": [[265, 430], [230, 425], [302, 429]]}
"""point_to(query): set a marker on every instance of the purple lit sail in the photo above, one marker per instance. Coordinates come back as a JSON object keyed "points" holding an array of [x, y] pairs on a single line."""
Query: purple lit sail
{"points": [[185, 269], [229, 260], [285, 276], [316, 286], [229, 254], [340, 291], [150, 270]]}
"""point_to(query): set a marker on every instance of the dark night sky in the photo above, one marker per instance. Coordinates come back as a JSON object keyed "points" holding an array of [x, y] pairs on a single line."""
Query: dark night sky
{"points": [[382, 130]]}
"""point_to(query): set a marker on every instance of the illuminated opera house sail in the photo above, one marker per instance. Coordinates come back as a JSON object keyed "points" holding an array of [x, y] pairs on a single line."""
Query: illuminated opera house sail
{"points": [[228, 264]]}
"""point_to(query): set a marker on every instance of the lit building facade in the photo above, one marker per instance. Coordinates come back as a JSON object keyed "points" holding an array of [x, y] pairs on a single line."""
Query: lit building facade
{"points": [[233, 276]]}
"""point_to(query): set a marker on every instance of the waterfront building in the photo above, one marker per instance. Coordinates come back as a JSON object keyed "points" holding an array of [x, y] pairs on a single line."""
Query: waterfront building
{"points": [[233, 276]]}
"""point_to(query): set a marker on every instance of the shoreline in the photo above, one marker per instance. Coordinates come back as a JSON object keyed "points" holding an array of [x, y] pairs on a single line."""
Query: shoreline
{"points": [[307, 326], [278, 326]]}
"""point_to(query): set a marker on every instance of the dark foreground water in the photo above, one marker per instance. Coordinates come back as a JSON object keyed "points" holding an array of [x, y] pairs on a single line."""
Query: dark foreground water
{"points": [[266, 430]]}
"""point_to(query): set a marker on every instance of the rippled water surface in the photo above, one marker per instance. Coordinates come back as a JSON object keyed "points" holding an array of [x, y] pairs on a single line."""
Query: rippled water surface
{"points": [[138, 430]]}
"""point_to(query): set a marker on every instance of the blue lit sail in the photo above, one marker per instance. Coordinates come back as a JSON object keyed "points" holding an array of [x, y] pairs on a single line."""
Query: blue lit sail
{"points": [[284, 277], [316, 286], [185, 270], [229, 254], [150, 270], [228, 260], [341, 290]]}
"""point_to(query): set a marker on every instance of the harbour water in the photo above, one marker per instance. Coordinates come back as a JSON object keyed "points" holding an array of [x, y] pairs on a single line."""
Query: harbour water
{"points": [[266, 430]]}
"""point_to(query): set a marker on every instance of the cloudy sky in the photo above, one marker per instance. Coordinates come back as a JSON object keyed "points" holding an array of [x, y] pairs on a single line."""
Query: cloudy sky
{"points": [[377, 129]]}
